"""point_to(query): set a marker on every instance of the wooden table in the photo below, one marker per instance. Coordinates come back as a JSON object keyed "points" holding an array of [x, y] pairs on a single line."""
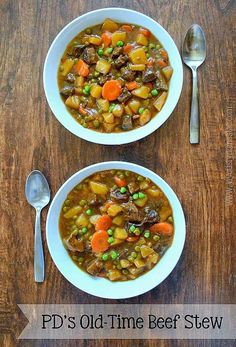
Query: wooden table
{"points": [[31, 137]]}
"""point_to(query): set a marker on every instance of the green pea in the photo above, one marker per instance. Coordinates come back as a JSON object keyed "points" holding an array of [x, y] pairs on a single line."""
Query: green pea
{"points": [[96, 73], [114, 255], [141, 110], [110, 232], [137, 248], [89, 212], [96, 123], [151, 45], [111, 108], [64, 209], [137, 231], [140, 178], [100, 52], [146, 234], [109, 50], [86, 90], [120, 43], [134, 255], [125, 271], [123, 190], [154, 92], [148, 55], [67, 202], [121, 176], [141, 195], [135, 196], [127, 173], [132, 228], [105, 256], [156, 237], [84, 230], [138, 79], [82, 203], [131, 259], [110, 239]]}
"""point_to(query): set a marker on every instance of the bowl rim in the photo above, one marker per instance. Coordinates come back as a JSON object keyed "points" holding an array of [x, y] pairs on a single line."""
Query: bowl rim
{"points": [[90, 284], [120, 138]]}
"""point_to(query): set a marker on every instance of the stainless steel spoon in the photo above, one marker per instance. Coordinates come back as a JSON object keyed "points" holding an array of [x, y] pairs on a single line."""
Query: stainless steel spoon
{"points": [[38, 195], [194, 54]]}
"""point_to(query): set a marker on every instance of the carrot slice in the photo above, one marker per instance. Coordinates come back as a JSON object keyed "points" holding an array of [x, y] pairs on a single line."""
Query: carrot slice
{"points": [[127, 48], [126, 27], [161, 62], [162, 228], [103, 223], [99, 241], [82, 68], [111, 90], [132, 238], [145, 32], [106, 38], [132, 85], [120, 182]]}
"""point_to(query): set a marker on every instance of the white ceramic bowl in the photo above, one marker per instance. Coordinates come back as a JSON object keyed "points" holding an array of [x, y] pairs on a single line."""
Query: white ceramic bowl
{"points": [[99, 286], [57, 49]]}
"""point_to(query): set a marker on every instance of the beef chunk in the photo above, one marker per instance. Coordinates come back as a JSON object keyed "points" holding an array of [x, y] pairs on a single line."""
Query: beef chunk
{"points": [[116, 52], [128, 75], [73, 244], [125, 95], [77, 50], [117, 195], [67, 90], [127, 123], [70, 77], [121, 61], [149, 75], [160, 82], [104, 78], [151, 215], [133, 187], [94, 267], [89, 55], [131, 212]]}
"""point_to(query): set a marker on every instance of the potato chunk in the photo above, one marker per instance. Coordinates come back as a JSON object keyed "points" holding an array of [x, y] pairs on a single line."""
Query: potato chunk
{"points": [[103, 104], [137, 67], [118, 220], [120, 233], [95, 40], [82, 221], [160, 101], [73, 211], [66, 66], [141, 92], [134, 105], [118, 36], [113, 210], [103, 66], [142, 40], [167, 72], [109, 25], [118, 110], [73, 102], [138, 56], [98, 188], [108, 117], [141, 202], [145, 117], [114, 275], [96, 91], [146, 251], [125, 263]]}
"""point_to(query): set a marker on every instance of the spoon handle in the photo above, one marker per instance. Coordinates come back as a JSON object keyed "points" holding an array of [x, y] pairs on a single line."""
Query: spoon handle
{"points": [[38, 250], [194, 116]]}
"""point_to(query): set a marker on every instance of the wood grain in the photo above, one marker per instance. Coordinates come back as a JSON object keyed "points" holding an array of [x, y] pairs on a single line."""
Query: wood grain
{"points": [[31, 138]]}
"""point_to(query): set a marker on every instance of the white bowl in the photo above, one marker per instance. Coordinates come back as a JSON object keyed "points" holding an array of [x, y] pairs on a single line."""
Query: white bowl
{"points": [[99, 286], [57, 49]]}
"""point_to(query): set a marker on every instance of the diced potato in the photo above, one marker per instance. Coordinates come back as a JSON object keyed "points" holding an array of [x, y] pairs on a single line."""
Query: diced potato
{"points": [[154, 192], [136, 271], [134, 104], [103, 66], [137, 67], [142, 40], [79, 81], [103, 104], [113, 210], [164, 213], [154, 257], [96, 91], [118, 36], [66, 66], [141, 241], [146, 251], [95, 40], [82, 221], [125, 263], [167, 72], [128, 110], [118, 220], [139, 263], [73, 102], [120, 233], [145, 117], [144, 185], [138, 56], [116, 242], [160, 101], [108, 117], [141, 92], [109, 25], [109, 127], [73, 211], [93, 219], [98, 188], [141, 202], [114, 275], [79, 91], [118, 110]]}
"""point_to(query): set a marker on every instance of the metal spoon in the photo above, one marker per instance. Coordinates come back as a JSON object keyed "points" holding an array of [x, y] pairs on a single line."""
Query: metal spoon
{"points": [[194, 54], [38, 195]]}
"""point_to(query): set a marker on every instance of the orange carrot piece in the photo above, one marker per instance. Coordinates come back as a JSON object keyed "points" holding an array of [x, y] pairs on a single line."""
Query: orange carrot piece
{"points": [[106, 38], [132, 85], [120, 182], [161, 62], [82, 68], [132, 238], [163, 53], [126, 27], [145, 32], [127, 48], [82, 110], [103, 223], [99, 241], [162, 228], [111, 90]]}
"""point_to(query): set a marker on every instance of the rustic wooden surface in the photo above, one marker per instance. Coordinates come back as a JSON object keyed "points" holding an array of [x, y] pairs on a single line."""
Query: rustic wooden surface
{"points": [[31, 137]]}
